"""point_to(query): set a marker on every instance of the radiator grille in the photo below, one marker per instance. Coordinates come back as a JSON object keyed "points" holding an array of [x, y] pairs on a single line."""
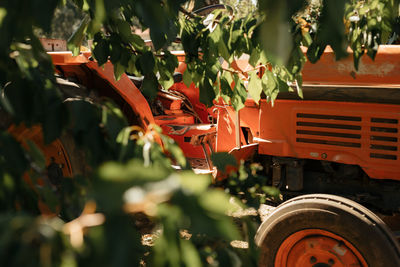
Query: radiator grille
{"points": [[384, 140], [335, 130], [377, 136]]}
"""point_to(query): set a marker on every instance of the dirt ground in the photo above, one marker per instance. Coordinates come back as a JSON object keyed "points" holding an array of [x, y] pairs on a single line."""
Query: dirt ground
{"points": [[150, 233]]}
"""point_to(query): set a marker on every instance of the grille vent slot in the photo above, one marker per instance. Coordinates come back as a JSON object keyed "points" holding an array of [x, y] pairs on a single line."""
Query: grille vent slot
{"points": [[346, 131], [328, 117], [384, 130], [334, 130]]}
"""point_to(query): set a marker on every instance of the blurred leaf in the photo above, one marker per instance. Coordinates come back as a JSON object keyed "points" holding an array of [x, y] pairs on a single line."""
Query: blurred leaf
{"points": [[3, 13], [49, 197], [101, 50], [75, 41], [132, 173], [147, 62], [255, 87], [314, 52], [271, 191], [150, 86], [174, 150], [187, 79], [36, 155], [222, 160], [190, 254], [15, 162], [207, 93], [196, 184], [119, 69]]}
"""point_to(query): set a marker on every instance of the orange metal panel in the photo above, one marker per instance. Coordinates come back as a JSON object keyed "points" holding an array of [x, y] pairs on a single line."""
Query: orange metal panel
{"points": [[192, 93], [249, 117], [183, 134], [125, 87], [174, 119], [66, 58], [54, 150], [364, 134], [225, 130], [384, 70]]}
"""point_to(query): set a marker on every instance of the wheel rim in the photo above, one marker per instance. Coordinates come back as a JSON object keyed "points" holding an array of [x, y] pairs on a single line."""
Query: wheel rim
{"points": [[52, 152], [317, 248]]}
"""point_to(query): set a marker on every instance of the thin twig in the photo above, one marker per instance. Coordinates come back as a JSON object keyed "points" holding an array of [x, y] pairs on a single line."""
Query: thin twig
{"points": [[187, 13]]}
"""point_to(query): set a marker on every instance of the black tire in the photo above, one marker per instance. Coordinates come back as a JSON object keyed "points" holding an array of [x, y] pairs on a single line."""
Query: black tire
{"points": [[76, 156], [347, 219]]}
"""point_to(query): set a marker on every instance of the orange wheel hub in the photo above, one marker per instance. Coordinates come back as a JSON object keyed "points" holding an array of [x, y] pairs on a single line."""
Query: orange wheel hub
{"points": [[54, 150], [317, 248]]}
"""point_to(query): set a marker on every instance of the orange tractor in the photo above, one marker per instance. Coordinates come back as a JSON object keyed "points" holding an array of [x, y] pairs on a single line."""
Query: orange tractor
{"points": [[334, 155]]}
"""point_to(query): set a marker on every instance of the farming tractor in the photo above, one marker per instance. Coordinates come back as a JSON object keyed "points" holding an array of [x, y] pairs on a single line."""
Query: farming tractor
{"points": [[334, 154]]}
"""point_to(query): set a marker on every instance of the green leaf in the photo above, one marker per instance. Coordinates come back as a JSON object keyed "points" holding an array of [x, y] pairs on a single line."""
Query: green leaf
{"points": [[270, 85], [99, 16], [138, 41], [221, 160], [132, 68], [147, 62], [36, 154], [167, 82], [207, 93], [170, 61], [150, 86], [190, 254], [215, 201], [299, 83], [255, 86], [43, 11], [15, 162], [196, 184], [271, 191], [123, 139], [187, 78], [131, 173], [75, 41], [307, 40], [239, 95], [315, 51], [174, 150], [331, 28], [119, 69], [223, 50], [101, 51], [282, 85], [226, 89], [3, 13], [124, 29], [216, 35], [254, 57], [49, 197], [116, 51]]}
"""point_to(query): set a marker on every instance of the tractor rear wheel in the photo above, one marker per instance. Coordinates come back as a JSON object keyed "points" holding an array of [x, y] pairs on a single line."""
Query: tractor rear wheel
{"points": [[63, 159], [325, 230]]}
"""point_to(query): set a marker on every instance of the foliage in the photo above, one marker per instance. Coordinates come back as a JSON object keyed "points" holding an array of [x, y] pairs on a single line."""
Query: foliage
{"points": [[242, 8], [250, 185], [65, 21], [369, 24], [132, 174]]}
